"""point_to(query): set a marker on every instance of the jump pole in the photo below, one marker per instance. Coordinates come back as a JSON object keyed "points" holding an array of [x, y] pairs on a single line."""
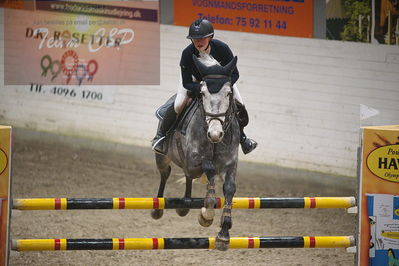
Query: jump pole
{"points": [[176, 203], [181, 243]]}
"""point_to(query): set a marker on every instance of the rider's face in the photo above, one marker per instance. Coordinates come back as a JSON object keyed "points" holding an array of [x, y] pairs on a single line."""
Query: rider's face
{"points": [[201, 44]]}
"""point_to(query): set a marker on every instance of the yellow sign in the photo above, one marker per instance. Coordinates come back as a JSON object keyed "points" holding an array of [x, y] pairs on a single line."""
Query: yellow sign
{"points": [[384, 162], [5, 181], [3, 161], [396, 212], [379, 174]]}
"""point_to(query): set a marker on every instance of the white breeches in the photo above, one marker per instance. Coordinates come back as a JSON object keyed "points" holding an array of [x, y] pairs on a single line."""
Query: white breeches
{"points": [[182, 98], [237, 95]]}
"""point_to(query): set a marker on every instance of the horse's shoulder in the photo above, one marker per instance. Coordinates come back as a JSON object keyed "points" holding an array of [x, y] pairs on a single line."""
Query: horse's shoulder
{"points": [[187, 115]]}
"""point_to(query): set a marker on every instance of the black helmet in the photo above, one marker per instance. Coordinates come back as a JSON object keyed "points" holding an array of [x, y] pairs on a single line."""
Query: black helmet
{"points": [[201, 28]]}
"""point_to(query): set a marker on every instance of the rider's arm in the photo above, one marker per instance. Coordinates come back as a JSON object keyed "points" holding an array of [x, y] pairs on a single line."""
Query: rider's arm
{"points": [[224, 55], [188, 82], [186, 67], [228, 55]]}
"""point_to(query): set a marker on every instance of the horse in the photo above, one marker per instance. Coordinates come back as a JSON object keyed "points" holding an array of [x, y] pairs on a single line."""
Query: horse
{"points": [[207, 145]]}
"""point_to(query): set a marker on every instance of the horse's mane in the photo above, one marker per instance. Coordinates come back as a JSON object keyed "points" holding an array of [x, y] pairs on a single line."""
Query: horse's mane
{"points": [[214, 84], [207, 59]]}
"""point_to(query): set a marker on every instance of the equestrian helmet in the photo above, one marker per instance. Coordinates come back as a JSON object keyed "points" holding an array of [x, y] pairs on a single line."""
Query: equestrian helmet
{"points": [[200, 28]]}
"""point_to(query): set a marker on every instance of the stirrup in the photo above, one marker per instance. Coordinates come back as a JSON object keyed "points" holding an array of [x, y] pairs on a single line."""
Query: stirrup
{"points": [[158, 144], [248, 145]]}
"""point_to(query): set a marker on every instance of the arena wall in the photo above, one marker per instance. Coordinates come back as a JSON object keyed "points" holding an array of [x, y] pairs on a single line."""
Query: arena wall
{"points": [[303, 97]]}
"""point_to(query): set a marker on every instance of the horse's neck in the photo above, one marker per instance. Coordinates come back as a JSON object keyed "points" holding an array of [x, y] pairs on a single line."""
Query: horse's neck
{"points": [[188, 115]]}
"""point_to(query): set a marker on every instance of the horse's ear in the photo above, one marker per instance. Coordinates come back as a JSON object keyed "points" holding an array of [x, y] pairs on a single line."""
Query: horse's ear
{"points": [[230, 66], [200, 66]]}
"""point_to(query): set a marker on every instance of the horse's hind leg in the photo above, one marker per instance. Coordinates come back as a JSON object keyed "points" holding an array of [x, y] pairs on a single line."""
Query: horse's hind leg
{"points": [[187, 194], [207, 214], [229, 188], [163, 165]]}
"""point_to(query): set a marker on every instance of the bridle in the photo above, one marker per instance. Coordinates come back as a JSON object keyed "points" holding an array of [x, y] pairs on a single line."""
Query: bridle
{"points": [[228, 115]]}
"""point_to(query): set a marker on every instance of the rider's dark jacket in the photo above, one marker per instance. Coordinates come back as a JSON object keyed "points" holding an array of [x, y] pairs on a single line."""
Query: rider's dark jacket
{"points": [[219, 50]]}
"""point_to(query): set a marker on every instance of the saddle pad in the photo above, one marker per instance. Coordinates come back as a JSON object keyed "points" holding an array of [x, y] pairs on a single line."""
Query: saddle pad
{"points": [[160, 113], [183, 119]]}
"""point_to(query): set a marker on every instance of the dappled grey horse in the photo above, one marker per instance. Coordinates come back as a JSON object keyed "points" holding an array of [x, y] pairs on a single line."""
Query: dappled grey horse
{"points": [[208, 144]]}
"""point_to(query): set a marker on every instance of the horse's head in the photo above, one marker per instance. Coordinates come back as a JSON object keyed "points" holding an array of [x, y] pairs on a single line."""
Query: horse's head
{"points": [[216, 95]]}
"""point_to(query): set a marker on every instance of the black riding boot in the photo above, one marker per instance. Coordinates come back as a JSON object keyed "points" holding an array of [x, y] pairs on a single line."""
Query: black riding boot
{"points": [[247, 144], [163, 127]]}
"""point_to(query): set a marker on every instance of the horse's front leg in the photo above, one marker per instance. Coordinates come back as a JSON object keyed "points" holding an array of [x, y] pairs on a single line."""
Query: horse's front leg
{"points": [[208, 211], [229, 189], [163, 165], [187, 194]]}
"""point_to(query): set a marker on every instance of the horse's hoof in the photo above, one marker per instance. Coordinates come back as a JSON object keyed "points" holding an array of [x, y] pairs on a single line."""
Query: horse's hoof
{"points": [[156, 214], [182, 212], [204, 222], [222, 244], [208, 214]]}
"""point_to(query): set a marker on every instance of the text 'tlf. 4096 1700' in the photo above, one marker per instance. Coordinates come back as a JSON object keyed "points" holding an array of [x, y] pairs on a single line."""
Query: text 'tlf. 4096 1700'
{"points": [[66, 92]]}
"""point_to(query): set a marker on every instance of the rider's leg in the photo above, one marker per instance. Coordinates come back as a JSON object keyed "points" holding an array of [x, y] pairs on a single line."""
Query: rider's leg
{"points": [[247, 144], [181, 99], [170, 117], [164, 125]]}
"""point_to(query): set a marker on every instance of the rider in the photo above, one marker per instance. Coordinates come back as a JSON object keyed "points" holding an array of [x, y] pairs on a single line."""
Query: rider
{"points": [[201, 36]]}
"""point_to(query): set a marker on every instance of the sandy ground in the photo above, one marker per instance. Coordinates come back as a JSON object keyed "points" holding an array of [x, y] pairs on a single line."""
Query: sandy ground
{"points": [[44, 169]]}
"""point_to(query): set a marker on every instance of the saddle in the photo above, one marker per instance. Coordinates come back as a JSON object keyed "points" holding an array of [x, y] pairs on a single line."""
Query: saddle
{"points": [[183, 119]]}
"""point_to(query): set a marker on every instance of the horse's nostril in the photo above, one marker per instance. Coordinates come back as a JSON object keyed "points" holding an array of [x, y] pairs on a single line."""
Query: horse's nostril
{"points": [[215, 136]]}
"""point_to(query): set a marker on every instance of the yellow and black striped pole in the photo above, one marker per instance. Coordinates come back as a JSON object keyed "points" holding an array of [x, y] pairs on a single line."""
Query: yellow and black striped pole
{"points": [[182, 243], [176, 203]]}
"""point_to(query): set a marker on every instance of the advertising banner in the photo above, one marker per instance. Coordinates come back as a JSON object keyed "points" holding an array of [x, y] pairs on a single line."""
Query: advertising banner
{"points": [[5, 192], [19, 4], [383, 212], [287, 18], [83, 43], [378, 195]]}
